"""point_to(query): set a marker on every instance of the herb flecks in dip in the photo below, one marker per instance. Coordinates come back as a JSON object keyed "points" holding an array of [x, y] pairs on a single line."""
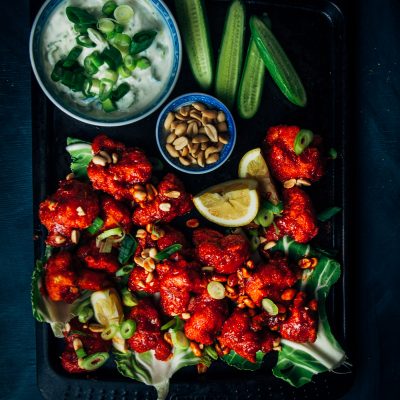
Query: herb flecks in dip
{"points": [[112, 57]]}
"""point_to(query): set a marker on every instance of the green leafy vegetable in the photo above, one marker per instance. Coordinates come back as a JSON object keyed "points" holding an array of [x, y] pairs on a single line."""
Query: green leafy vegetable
{"points": [[328, 213], [96, 226], [57, 314], [298, 362], [234, 360], [144, 367], [81, 155]]}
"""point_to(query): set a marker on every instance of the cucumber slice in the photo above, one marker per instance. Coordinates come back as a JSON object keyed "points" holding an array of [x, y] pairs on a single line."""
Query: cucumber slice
{"points": [[277, 63], [252, 83], [193, 24], [231, 54]]}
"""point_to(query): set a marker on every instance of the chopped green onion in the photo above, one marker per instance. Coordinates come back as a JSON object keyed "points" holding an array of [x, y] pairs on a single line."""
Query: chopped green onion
{"points": [[328, 213], [58, 71], [84, 40], [141, 41], [118, 28], [179, 340], [81, 353], [76, 332], [216, 290], [130, 62], [110, 75], [96, 59], [125, 270], [72, 56], [91, 87], [168, 251], [179, 324], [109, 332], [128, 298], [90, 68], [143, 63], [94, 361], [108, 105], [96, 37], [97, 223], [121, 91], [106, 88], [156, 163], [211, 352], [109, 7], [85, 315], [78, 16], [269, 306], [110, 232], [121, 41], [168, 325], [332, 153], [105, 25], [127, 249], [123, 71], [302, 141], [112, 57], [128, 328], [81, 28], [73, 79], [254, 240], [123, 14], [264, 217]]}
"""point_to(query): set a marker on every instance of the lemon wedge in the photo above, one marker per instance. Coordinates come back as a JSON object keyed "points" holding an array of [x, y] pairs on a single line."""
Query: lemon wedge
{"points": [[253, 165], [108, 311], [232, 203]]}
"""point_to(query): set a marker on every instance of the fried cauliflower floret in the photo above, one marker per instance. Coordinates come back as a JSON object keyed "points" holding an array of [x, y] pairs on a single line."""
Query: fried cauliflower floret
{"points": [[91, 341], [285, 164], [268, 280], [61, 280], [118, 179], [137, 281], [178, 280], [93, 259], [302, 323], [298, 218], [237, 335], [225, 253], [170, 202], [148, 335], [73, 206], [207, 316], [114, 214], [92, 280]]}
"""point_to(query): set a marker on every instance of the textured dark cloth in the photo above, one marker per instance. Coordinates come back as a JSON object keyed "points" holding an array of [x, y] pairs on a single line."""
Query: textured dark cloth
{"points": [[375, 160]]}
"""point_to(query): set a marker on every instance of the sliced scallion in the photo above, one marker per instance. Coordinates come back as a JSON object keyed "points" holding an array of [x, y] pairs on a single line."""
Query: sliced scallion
{"points": [[121, 41], [105, 25], [108, 105], [332, 153], [109, 332], [168, 325], [130, 62], [269, 306], [328, 213], [128, 247], [72, 56], [120, 91], [85, 41], [123, 13], [109, 7], [211, 352], [58, 71], [79, 16], [81, 353], [112, 57], [94, 361], [216, 290], [128, 298], [264, 217], [303, 139], [128, 328], [96, 37], [106, 87], [143, 63], [90, 68], [179, 340], [110, 232], [110, 75], [124, 72], [125, 270]]}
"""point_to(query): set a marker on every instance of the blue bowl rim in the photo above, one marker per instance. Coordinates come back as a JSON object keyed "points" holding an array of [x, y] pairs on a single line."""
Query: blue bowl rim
{"points": [[205, 170], [93, 121]]}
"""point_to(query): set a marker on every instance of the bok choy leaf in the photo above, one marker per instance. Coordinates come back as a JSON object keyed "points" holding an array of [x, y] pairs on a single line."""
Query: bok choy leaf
{"points": [[144, 367], [81, 155], [298, 362]]}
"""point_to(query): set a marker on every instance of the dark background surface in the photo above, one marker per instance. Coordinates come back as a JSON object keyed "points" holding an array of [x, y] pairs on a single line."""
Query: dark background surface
{"points": [[374, 164]]}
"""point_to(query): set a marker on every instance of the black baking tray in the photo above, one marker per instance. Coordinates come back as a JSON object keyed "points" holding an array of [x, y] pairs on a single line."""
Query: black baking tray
{"points": [[313, 33]]}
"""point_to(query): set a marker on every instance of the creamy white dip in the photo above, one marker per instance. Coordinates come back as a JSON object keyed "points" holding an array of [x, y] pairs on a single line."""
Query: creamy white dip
{"points": [[146, 85]]}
